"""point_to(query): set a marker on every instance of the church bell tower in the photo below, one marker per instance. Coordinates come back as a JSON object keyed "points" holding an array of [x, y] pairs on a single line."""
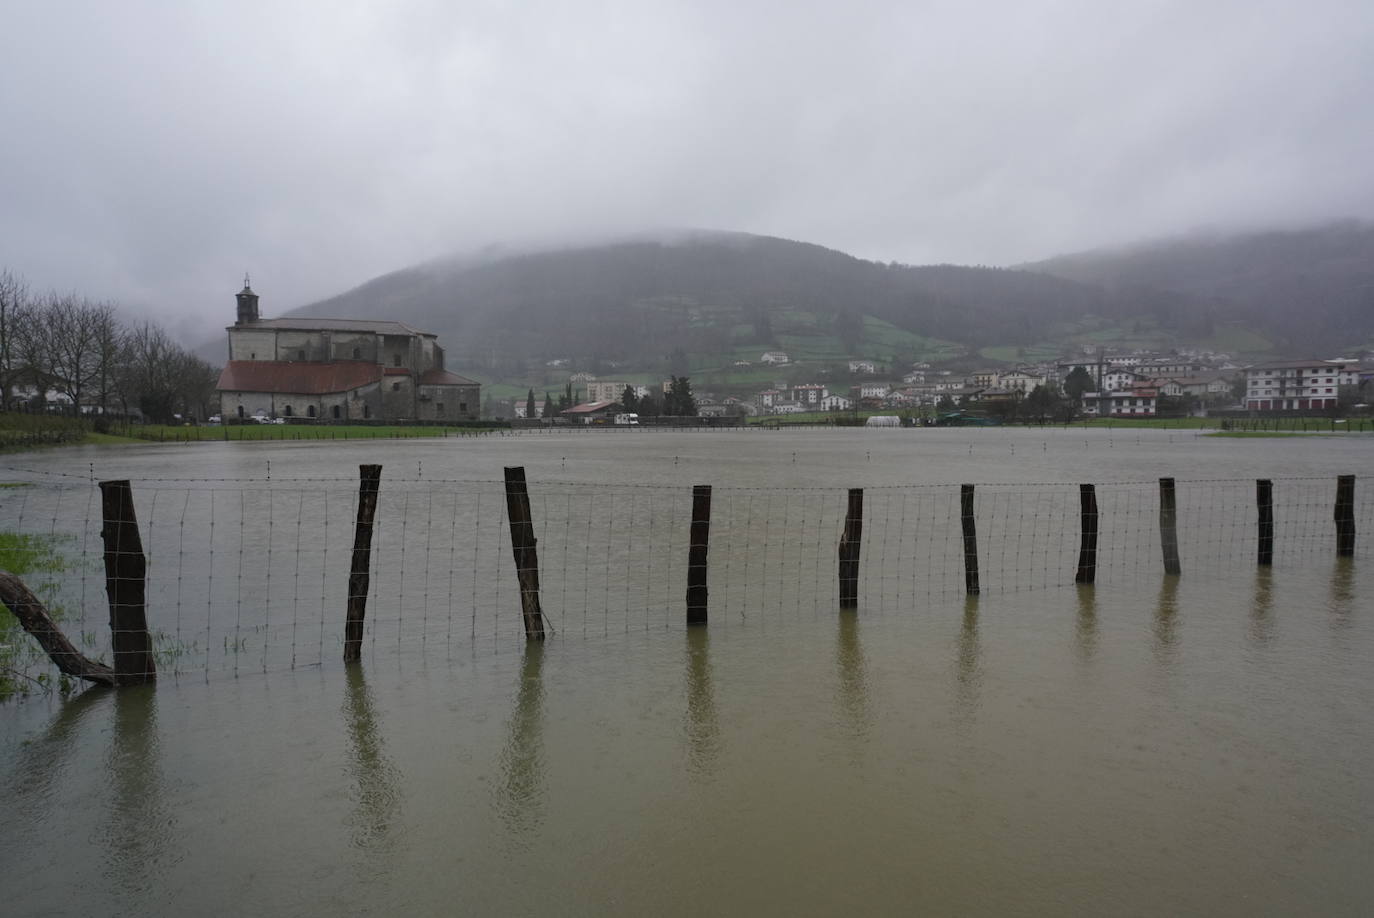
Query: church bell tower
{"points": [[248, 304]]}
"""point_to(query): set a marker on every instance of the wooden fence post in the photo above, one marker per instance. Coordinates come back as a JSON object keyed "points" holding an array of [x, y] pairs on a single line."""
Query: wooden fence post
{"points": [[1345, 515], [696, 555], [1168, 526], [850, 541], [126, 583], [970, 539], [370, 477], [1087, 549], [1264, 501], [522, 543]]}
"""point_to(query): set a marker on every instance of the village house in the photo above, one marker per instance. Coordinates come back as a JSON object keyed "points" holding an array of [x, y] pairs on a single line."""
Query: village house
{"points": [[807, 394], [863, 366], [776, 358], [915, 376], [1171, 367], [1141, 401], [605, 390], [835, 403], [985, 379], [1020, 381], [1206, 386], [519, 406], [1298, 385], [338, 370]]}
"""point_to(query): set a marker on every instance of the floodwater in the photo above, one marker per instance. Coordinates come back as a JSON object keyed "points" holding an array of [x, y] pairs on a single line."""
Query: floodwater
{"points": [[1151, 745]]}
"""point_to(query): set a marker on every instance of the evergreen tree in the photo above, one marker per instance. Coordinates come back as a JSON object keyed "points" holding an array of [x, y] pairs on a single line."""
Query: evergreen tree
{"points": [[1077, 382], [530, 410], [548, 405], [629, 401], [565, 401], [679, 401]]}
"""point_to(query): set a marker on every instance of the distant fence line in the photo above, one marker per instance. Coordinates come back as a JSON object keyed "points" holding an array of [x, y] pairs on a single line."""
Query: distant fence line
{"points": [[280, 573]]}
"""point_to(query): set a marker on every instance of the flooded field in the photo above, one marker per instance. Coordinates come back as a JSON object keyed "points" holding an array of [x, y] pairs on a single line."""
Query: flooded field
{"points": [[1198, 744]]}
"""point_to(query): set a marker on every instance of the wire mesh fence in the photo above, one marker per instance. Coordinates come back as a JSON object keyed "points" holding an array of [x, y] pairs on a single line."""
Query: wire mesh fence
{"points": [[248, 576]]}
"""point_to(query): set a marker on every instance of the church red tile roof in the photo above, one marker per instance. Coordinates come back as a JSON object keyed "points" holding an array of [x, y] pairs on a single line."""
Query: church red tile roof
{"points": [[295, 377]]}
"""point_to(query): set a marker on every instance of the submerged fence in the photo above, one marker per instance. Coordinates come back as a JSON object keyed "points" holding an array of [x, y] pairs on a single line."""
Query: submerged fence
{"points": [[247, 576]]}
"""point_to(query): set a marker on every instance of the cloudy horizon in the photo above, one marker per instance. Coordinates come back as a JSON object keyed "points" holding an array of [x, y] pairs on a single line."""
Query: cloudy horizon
{"points": [[157, 152]]}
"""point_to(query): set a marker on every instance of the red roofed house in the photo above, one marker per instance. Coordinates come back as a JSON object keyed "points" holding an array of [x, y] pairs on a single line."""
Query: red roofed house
{"points": [[339, 370]]}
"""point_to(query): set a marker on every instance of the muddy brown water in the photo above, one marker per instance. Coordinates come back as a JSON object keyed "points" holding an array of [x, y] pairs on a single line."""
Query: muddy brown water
{"points": [[1152, 745]]}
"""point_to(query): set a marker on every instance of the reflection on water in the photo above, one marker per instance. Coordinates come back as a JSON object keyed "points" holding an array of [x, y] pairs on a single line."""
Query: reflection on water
{"points": [[521, 794], [1166, 620], [376, 794], [1086, 632], [968, 670], [140, 823], [42, 762], [703, 731], [853, 685], [1342, 591], [1262, 612]]}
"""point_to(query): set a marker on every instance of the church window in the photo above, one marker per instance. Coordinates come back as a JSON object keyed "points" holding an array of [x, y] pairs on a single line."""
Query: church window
{"points": [[286, 412], [300, 355], [310, 411], [357, 354], [395, 360], [395, 387], [336, 412]]}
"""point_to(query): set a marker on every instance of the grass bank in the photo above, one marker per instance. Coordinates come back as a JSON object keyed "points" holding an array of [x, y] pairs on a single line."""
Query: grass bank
{"points": [[30, 557]]}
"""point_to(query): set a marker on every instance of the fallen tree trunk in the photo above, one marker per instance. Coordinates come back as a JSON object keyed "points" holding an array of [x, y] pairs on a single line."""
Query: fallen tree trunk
{"points": [[36, 621]]}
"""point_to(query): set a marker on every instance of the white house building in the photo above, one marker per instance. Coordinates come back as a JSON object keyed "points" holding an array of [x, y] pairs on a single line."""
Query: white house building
{"points": [[1298, 385]]}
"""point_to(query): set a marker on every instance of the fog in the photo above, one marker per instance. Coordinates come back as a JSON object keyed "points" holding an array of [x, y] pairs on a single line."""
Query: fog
{"points": [[154, 152]]}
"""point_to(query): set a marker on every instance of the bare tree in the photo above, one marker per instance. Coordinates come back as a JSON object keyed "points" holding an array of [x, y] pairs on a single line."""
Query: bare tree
{"points": [[14, 306], [151, 372], [73, 330], [108, 339]]}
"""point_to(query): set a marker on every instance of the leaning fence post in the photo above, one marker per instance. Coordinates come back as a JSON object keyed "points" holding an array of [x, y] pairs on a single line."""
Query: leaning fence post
{"points": [[1087, 549], [1168, 526], [370, 477], [850, 541], [1345, 515], [970, 539], [696, 556], [522, 543], [126, 576], [1264, 501]]}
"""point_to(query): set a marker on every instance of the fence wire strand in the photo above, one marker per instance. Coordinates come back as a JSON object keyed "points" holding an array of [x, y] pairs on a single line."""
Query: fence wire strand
{"points": [[254, 577]]}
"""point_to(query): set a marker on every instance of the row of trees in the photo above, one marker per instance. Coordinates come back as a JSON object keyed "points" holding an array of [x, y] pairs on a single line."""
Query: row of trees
{"points": [[81, 350]]}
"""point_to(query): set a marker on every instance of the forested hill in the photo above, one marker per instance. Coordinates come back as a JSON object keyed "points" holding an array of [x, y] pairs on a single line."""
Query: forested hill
{"points": [[1310, 289], [722, 295], [707, 293]]}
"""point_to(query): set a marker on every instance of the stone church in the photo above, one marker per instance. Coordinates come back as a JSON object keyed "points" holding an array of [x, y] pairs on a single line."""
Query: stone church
{"points": [[339, 370]]}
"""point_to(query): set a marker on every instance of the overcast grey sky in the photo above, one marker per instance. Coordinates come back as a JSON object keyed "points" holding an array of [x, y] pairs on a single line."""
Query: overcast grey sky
{"points": [[155, 150]]}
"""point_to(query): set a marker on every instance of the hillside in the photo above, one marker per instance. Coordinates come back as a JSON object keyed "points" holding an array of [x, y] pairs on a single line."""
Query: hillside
{"points": [[718, 297], [1309, 289], [700, 301]]}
